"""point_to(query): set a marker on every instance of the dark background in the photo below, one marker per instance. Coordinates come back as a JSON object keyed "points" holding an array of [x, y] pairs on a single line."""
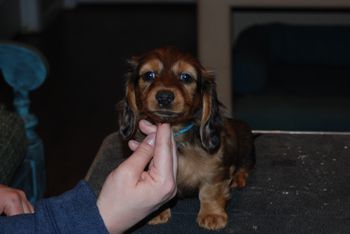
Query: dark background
{"points": [[87, 48]]}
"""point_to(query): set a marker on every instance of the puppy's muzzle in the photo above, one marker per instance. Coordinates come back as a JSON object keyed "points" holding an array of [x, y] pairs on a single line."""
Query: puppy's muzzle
{"points": [[165, 98]]}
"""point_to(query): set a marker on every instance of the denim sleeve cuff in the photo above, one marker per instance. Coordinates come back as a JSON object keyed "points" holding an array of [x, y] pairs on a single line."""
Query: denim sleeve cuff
{"points": [[75, 211]]}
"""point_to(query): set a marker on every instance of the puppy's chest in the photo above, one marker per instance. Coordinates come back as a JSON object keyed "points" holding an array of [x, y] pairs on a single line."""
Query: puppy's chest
{"points": [[195, 167]]}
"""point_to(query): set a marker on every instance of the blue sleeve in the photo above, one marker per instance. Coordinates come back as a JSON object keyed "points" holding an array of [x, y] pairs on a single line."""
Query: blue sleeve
{"points": [[72, 212]]}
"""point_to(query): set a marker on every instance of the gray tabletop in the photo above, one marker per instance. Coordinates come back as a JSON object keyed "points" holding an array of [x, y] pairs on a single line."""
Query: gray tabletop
{"points": [[301, 184]]}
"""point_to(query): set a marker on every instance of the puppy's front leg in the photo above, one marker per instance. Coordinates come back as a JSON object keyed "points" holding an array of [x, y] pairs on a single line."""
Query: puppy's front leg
{"points": [[213, 199], [162, 217]]}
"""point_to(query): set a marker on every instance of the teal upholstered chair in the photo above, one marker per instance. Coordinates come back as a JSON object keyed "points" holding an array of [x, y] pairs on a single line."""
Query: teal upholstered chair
{"points": [[25, 69]]}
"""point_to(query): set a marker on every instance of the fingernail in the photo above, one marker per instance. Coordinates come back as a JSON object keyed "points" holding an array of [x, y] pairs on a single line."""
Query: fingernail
{"points": [[146, 122], [133, 143], [150, 139]]}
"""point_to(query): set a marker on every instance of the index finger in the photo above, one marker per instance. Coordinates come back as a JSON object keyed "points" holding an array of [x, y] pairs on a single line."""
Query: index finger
{"points": [[137, 161], [164, 154]]}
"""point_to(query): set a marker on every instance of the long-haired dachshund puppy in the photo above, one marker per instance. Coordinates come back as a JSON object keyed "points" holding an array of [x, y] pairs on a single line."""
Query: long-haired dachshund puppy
{"points": [[215, 152]]}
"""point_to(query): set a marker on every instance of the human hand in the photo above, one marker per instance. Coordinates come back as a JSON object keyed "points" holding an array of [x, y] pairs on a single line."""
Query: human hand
{"points": [[14, 202], [130, 193]]}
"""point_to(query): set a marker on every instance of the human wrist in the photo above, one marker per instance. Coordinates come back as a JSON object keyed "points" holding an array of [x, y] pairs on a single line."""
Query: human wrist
{"points": [[118, 219], [107, 217]]}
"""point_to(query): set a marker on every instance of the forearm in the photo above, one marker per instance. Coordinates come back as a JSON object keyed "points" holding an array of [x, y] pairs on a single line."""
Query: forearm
{"points": [[72, 212]]}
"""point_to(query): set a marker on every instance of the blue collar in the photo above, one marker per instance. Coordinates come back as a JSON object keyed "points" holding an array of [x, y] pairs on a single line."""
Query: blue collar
{"points": [[184, 129]]}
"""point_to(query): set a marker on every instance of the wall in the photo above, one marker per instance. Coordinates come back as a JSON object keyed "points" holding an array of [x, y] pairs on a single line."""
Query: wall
{"points": [[9, 18], [25, 16], [243, 19], [36, 14]]}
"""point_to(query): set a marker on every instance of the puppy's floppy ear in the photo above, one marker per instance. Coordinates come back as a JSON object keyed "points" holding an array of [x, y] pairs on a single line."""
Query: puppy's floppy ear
{"points": [[211, 121], [127, 108], [126, 120]]}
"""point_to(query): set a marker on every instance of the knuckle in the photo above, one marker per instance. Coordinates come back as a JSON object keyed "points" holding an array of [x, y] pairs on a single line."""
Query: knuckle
{"points": [[21, 193], [145, 148], [14, 197]]}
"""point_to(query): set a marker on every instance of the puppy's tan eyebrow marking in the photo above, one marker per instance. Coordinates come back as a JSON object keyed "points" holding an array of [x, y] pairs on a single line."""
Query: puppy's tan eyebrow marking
{"points": [[152, 65], [182, 66]]}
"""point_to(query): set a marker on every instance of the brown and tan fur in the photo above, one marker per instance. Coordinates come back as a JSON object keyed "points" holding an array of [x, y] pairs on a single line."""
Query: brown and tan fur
{"points": [[166, 85]]}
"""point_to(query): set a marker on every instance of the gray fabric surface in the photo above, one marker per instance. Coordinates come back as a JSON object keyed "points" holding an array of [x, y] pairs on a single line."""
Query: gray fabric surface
{"points": [[13, 144], [300, 185], [108, 158]]}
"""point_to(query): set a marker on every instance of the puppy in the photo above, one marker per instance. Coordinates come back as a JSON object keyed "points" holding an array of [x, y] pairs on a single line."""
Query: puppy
{"points": [[215, 152]]}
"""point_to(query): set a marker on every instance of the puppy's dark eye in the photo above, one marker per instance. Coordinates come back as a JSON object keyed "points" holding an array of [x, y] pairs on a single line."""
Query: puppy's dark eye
{"points": [[149, 76], [185, 77]]}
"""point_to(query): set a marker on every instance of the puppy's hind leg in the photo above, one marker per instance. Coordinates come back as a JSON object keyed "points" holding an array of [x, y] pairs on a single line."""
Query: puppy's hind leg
{"points": [[240, 178], [246, 155], [247, 164]]}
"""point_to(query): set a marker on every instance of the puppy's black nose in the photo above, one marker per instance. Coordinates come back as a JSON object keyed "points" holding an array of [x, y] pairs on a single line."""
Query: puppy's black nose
{"points": [[165, 98]]}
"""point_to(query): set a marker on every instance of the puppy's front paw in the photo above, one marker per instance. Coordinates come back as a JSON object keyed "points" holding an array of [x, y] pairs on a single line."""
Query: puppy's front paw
{"points": [[212, 221], [163, 217]]}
